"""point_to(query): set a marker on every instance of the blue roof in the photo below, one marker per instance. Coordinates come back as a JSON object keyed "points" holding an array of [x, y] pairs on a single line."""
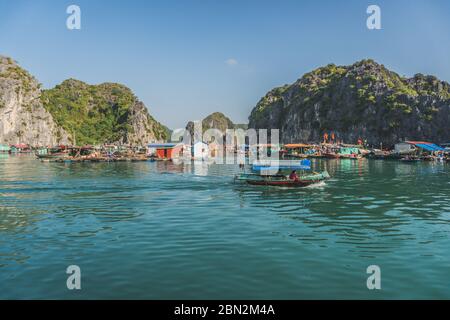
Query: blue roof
{"points": [[430, 147], [426, 145], [162, 145]]}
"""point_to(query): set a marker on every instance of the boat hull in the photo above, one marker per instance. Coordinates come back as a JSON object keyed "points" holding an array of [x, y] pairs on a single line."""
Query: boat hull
{"points": [[298, 183], [52, 156], [330, 155], [282, 181]]}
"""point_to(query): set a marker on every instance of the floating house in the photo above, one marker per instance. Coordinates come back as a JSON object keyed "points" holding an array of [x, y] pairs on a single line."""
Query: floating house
{"points": [[446, 147], [298, 150], [20, 148], [264, 150], [4, 148], [426, 146], [200, 151], [166, 151], [404, 148], [349, 151], [346, 151], [356, 149]]}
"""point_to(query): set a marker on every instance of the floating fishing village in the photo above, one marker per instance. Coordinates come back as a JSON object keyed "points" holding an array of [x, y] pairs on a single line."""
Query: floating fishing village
{"points": [[266, 170], [408, 151], [111, 124]]}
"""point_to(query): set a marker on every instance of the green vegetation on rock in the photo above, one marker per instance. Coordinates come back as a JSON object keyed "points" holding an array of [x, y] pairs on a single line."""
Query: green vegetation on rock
{"points": [[216, 120], [361, 100], [12, 71], [96, 114]]}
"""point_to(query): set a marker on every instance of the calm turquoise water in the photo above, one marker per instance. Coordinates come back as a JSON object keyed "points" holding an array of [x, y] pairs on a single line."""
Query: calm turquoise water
{"points": [[165, 231]]}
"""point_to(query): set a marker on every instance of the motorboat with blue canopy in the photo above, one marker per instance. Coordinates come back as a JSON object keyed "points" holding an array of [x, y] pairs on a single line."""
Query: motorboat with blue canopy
{"points": [[267, 166], [271, 173]]}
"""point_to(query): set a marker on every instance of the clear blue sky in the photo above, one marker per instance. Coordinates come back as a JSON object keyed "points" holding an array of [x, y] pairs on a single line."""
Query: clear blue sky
{"points": [[173, 54]]}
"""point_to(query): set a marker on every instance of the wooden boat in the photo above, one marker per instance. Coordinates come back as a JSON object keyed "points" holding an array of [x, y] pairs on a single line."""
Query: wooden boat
{"points": [[410, 160], [351, 156], [53, 154], [282, 180], [330, 155]]}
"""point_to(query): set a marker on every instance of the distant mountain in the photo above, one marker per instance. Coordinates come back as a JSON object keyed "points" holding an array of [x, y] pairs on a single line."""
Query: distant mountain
{"points": [[104, 113], [364, 100], [23, 118], [243, 126], [216, 120]]}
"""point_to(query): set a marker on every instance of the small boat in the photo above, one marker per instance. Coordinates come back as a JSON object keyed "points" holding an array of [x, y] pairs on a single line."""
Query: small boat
{"points": [[53, 154], [410, 159], [330, 155], [282, 180], [352, 156]]}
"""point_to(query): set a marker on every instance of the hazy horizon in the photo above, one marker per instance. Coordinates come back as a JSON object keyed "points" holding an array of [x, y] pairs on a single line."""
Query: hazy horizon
{"points": [[185, 60]]}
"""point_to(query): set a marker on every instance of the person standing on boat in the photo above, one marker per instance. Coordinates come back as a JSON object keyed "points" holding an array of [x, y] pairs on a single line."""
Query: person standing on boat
{"points": [[293, 176]]}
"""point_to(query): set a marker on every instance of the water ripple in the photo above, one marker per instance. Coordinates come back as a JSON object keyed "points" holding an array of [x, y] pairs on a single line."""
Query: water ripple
{"points": [[162, 230]]}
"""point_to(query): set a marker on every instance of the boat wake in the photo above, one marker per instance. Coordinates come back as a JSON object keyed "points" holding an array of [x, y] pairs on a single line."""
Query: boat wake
{"points": [[317, 185]]}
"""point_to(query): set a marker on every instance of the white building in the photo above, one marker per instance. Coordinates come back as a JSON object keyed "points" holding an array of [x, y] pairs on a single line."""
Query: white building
{"points": [[200, 151], [404, 148]]}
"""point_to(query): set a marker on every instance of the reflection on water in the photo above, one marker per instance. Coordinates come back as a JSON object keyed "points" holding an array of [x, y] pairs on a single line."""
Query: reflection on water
{"points": [[138, 225]]}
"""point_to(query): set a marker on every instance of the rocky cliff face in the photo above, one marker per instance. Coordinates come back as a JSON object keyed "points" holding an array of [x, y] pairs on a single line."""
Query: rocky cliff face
{"points": [[144, 128], [105, 113], [23, 119], [71, 113], [364, 100]]}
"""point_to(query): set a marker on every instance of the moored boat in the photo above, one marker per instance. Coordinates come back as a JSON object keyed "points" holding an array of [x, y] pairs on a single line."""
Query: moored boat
{"points": [[51, 154], [330, 155], [410, 159], [352, 156]]}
